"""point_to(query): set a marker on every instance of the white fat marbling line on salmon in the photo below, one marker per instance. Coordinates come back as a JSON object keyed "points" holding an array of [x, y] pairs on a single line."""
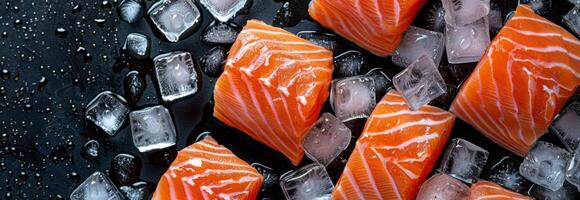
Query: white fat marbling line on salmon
{"points": [[400, 127], [423, 138], [369, 172], [407, 112]]}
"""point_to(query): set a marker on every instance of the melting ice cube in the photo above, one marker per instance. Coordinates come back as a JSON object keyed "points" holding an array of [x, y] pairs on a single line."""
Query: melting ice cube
{"points": [[572, 20], [441, 186], [131, 11], [463, 160], [567, 192], [353, 97], [327, 138], [96, 187], [506, 174], [567, 124], [465, 44], [420, 83], [325, 40], [176, 75], [436, 18], [417, 42], [310, 182], [462, 12], [125, 169], [213, 63], [175, 19], [137, 191], [108, 111], [152, 129], [573, 169], [137, 45], [545, 165], [134, 86], [221, 33], [90, 150], [382, 82], [349, 63], [223, 10]]}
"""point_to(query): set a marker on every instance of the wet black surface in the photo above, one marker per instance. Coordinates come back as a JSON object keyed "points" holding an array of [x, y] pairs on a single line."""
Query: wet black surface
{"points": [[56, 55]]}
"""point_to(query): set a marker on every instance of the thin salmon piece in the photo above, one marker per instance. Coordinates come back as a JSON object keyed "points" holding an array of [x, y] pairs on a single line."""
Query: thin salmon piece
{"points": [[523, 80], [491, 191], [273, 87], [396, 151], [207, 170], [375, 25]]}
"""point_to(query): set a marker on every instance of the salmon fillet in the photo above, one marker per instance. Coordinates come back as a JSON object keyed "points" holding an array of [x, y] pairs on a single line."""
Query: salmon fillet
{"points": [[396, 151], [491, 191], [273, 87]]}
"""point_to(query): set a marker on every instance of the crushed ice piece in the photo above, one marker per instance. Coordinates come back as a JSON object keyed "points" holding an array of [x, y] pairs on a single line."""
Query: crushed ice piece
{"points": [[131, 11], [545, 165], [567, 124], [466, 44], [462, 12], [152, 129], [307, 183], [96, 187], [137, 191], [125, 169], [137, 45], [176, 75], [353, 97], [325, 40], [223, 10], [349, 63], [220, 33], [572, 20], [213, 62], [567, 192], [327, 138], [420, 82], [134, 86], [175, 19], [441, 186], [90, 149], [108, 111], [573, 169], [463, 160], [382, 82], [417, 42], [506, 174]]}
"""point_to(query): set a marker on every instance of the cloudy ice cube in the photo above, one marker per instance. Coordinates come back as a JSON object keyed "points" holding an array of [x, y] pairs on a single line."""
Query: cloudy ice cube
{"points": [[506, 174], [152, 129], [353, 97], [327, 138], [545, 165], [466, 44], [382, 82], [541, 7], [462, 12], [137, 45], [567, 192], [325, 40], [96, 187], [441, 186], [223, 10], [572, 20], [417, 42], [136, 191], [567, 124], [310, 182], [221, 33], [573, 169], [436, 18], [213, 63], [175, 19], [125, 169], [349, 63], [176, 75], [420, 83], [463, 160], [131, 11], [108, 111]]}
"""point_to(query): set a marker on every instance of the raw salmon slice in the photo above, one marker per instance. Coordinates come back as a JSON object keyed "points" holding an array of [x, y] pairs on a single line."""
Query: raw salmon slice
{"points": [[523, 80], [491, 191], [273, 87], [395, 152], [376, 25], [207, 170]]}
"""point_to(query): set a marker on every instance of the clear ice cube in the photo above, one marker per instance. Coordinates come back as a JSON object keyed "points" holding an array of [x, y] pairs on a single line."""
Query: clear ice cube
{"points": [[573, 169], [466, 44], [325, 40], [349, 63], [462, 12], [417, 42], [213, 62], [223, 10], [567, 192], [136, 191], [353, 97], [382, 82], [506, 174], [152, 129], [131, 11], [545, 165], [175, 19], [176, 75], [567, 124], [420, 83], [108, 111], [327, 138], [441, 186], [572, 20], [221, 33], [463, 160], [310, 182], [96, 187], [137, 45]]}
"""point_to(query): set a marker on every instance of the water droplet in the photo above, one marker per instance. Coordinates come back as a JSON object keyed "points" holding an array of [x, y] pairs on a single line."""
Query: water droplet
{"points": [[61, 32]]}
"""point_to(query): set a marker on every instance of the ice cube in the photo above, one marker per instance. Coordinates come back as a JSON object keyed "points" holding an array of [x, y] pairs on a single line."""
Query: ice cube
{"points": [[137, 45], [441, 186], [108, 111], [291, 13], [436, 18], [463, 160], [545, 165], [270, 176], [310, 182], [353, 97], [327, 138], [175, 19], [176, 75], [506, 174], [567, 192], [96, 187], [137, 191], [382, 82], [90, 150], [462, 12], [573, 169], [131, 11], [152, 129], [572, 20], [567, 124], [420, 83], [221, 33], [465, 44], [223, 10], [125, 169], [541, 7], [417, 42], [325, 40], [349, 63], [213, 63], [134, 86], [576, 2]]}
